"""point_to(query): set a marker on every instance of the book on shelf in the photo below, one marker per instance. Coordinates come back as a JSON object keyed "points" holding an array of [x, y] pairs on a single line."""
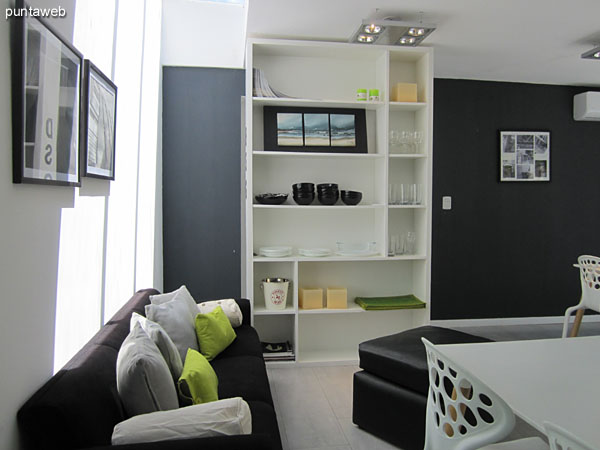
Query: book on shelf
{"points": [[261, 87], [277, 351]]}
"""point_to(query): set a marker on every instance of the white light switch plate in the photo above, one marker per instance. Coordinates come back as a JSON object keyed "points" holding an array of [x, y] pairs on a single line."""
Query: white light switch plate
{"points": [[447, 202]]}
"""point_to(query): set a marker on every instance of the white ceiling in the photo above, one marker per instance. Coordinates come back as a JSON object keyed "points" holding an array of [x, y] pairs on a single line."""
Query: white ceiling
{"points": [[534, 41]]}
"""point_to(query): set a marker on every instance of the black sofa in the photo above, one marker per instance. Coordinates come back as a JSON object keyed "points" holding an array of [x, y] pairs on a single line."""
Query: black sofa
{"points": [[390, 393], [79, 406]]}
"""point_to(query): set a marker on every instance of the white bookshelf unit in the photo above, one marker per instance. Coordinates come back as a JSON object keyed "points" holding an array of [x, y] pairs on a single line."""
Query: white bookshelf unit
{"points": [[326, 74]]}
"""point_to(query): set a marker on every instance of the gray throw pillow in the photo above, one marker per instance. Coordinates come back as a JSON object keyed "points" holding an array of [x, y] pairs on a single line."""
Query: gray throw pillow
{"points": [[177, 320], [182, 292], [163, 342], [144, 381]]}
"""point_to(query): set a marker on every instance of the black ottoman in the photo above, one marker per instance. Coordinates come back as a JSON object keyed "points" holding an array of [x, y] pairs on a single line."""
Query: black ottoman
{"points": [[390, 393]]}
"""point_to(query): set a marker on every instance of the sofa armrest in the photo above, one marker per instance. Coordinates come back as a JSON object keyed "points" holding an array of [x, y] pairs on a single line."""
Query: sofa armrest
{"points": [[244, 305], [238, 442]]}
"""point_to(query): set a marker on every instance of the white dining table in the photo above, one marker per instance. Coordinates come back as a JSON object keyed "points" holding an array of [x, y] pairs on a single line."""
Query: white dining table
{"points": [[554, 380]]}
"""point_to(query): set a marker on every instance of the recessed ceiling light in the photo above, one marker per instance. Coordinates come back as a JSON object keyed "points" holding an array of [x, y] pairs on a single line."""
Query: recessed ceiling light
{"points": [[405, 40], [416, 31], [372, 29], [592, 54], [392, 32], [365, 39]]}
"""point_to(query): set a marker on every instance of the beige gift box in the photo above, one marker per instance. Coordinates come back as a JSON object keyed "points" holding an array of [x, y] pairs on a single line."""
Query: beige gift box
{"points": [[337, 298], [311, 298], [404, 92]]}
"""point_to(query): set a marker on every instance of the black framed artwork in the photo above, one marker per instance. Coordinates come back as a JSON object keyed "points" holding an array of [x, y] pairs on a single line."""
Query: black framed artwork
{"points": [[324, 130], [46, 78], [98, 124], [524, 156]]}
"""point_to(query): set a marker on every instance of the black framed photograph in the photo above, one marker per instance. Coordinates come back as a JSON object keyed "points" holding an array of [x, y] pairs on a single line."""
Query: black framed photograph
{"points": [[98, 123], [524, 156], [46, 77], [324, 130]]}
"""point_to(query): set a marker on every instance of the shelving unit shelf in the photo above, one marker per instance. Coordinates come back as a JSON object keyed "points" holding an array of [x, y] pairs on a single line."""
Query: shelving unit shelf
{"points": [[326, 75]]}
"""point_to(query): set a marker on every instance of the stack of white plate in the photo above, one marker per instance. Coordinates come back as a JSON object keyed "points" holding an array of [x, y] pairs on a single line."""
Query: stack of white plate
{"points": [[356, 248], [314, 252], [275, 252]]}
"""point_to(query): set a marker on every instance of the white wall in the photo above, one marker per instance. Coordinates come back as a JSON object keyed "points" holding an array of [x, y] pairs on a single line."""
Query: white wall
{"points": [[29, 224], [41, 239], [203, 34]]}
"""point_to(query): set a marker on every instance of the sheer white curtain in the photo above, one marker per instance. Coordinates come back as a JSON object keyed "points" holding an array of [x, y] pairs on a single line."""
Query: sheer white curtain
{"points": [[106, 247]]}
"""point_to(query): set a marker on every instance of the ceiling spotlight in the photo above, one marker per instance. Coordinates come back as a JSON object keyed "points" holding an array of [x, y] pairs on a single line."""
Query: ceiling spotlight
{"points": [[416, 31], [592, 54], [365, 39], [372, 29], [404, 40], [392, 32]]}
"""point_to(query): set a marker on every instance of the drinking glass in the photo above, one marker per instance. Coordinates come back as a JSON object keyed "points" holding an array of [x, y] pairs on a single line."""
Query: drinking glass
{"points": [[405, 139], [393, 194], [404, 194], [418, 140], [394, 239], [416, 194], [394, 138], [411, 243]]}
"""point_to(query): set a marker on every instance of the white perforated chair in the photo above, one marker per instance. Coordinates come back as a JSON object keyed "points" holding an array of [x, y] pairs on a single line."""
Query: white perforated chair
{"points": [[463, 413], [561, 439], [589, 273]]}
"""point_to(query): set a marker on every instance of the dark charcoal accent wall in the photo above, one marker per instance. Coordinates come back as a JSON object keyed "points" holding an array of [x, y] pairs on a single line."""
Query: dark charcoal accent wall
{"points": [[507, 249], [201, 180]]}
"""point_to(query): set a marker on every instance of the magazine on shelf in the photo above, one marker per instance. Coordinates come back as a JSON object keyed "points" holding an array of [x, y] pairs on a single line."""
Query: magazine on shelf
{"points": [[261, 86], [277, 351]]}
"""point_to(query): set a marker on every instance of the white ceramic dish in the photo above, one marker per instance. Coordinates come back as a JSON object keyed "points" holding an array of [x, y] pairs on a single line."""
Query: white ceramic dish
{"points": [[275, 252], [314, 252]]}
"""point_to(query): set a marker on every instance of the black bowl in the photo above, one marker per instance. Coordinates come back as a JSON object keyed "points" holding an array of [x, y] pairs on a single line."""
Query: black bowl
{"points": [[351, 198], [308, 187], [271, 199], [327, 187], [328, 199], [304, 200]]}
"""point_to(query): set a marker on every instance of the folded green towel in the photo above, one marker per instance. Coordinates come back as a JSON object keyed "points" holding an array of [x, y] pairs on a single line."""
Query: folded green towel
{"points": [[394, 302]]}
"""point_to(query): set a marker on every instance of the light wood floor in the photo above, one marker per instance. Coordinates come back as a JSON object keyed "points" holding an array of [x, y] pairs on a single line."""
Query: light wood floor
{"points": [[314, 404]]}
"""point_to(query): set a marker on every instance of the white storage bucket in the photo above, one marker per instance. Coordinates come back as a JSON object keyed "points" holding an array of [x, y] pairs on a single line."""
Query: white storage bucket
{"points": [[275, 290]]}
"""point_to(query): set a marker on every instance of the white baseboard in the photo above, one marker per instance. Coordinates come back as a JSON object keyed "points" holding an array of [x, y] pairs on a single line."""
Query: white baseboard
{"points": [[508, 321]]}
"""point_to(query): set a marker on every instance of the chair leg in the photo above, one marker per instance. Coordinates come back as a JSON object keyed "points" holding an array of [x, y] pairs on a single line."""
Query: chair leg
{"points": [[577, 322]]}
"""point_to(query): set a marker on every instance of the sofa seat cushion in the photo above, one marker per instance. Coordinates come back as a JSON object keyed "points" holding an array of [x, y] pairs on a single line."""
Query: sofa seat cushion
{"points": [[247, 343], [401, 359], [243, 376]]}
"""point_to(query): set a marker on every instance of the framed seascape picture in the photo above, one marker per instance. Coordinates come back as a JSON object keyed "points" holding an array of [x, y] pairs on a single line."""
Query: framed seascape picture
{"points": [[46, 76], [524, 156], [99, 115], [325, 130]]}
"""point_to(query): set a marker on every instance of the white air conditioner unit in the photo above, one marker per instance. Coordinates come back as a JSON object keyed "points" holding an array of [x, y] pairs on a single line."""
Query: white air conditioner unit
{"points": [[586, 106]]}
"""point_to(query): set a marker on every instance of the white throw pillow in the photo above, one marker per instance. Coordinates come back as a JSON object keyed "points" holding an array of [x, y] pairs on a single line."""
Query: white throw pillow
{"points": [[175, 318], [162, 340], [144, 381], [230, 308], [223, 417], [182, 292]]}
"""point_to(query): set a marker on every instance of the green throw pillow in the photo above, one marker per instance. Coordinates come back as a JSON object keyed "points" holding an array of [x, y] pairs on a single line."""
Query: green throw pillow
{"points": [[198, 381], [214, 332]]}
